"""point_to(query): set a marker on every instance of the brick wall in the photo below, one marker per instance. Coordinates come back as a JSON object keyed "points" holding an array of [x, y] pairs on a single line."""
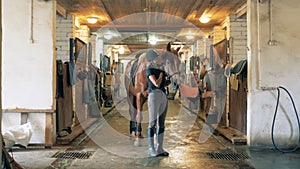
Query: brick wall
{"points": [[237, 33], [82, 32], [219, 34], [200, 47], [92, 41], [64, 31]]}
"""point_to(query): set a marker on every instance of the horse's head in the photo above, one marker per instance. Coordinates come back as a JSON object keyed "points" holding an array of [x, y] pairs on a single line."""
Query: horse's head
{"points": [[172, 64]]}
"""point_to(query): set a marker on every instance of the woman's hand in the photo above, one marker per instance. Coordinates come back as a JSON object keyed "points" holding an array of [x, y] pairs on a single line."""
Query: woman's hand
{"points": [[145, 93], [156, 82]]}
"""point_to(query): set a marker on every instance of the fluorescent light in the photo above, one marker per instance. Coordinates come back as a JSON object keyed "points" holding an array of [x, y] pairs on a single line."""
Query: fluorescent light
{"points": [[92, 20]]}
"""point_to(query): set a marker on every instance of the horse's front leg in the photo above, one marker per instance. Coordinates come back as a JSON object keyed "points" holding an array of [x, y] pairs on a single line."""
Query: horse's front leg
{"points": [[139, 118]]}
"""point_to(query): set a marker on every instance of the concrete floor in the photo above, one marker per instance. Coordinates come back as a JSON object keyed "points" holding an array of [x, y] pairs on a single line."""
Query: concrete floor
{"points": [[112, 147]]}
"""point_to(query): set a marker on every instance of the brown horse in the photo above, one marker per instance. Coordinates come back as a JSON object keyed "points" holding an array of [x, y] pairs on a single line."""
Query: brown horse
{"points": [[136, 85]]}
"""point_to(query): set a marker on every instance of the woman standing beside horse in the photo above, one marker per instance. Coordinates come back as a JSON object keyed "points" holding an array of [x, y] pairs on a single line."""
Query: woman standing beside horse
{"points": [[137, 85], [157, 103]]}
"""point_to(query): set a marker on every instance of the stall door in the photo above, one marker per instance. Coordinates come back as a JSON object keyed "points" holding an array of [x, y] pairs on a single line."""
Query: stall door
{"points": [[238, 97]]}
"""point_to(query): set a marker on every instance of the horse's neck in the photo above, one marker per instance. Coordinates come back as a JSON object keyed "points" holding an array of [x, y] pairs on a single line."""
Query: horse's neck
{"points": [[141, 64], [134, 67]]}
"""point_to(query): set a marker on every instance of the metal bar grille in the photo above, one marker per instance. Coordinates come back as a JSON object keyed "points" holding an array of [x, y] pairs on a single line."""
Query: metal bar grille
{"points": [[228, 156], [73, 155]]}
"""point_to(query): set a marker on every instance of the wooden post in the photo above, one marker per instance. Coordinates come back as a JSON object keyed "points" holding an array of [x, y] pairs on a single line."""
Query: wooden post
{"points": [[49, 130]]}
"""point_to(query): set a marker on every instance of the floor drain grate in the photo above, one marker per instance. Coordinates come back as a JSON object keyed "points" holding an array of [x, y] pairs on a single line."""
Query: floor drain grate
{"points": [[228, 156], [73, 155]]}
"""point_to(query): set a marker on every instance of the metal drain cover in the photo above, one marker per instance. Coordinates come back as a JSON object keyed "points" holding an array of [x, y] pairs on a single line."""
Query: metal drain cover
{"points": [[228, 156], [73, 154]]}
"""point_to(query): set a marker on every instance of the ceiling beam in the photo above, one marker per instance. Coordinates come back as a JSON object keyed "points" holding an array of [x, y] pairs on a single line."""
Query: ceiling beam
{"points": [[112, 19], [242, 10], [145, 46], [61, 10], [145, 26], [193, 11], [205, 6], [136, 44]]}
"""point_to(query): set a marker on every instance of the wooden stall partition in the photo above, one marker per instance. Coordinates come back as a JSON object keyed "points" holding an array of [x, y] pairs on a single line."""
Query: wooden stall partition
{"points": [[238, 97]]}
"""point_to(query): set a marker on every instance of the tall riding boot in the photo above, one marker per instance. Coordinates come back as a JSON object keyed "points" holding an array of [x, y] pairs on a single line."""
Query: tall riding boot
{"points": [[151, 150], [160, 140]]}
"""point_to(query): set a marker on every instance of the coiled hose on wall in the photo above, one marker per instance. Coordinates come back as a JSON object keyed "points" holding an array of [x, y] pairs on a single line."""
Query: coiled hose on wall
{"points": [[273, 123]]}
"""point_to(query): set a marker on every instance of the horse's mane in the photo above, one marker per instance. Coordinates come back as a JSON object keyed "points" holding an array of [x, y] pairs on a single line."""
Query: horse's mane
{"points": [[142, 58], [141, 62]]}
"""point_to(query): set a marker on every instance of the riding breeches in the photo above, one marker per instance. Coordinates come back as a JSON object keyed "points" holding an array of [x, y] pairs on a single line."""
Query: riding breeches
{"points": [[157, 107]]}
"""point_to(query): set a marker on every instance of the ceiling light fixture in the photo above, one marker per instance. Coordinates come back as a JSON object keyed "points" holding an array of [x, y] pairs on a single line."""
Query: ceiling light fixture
{"points": [[107, 36], [152, 41], [92, 20], [189, 36], [205, 18], [121, 50]]}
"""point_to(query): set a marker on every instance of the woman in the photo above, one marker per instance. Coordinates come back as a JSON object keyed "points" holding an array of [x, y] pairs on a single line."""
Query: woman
{"points": [[157, 103]]}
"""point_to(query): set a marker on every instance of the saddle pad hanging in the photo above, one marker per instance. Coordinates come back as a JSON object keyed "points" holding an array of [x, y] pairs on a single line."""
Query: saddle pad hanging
{"points": [[187, 91]]}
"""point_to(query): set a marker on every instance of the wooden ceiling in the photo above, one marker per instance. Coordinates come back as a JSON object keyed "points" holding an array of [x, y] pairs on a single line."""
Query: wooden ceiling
{"points": [[134, 22]]}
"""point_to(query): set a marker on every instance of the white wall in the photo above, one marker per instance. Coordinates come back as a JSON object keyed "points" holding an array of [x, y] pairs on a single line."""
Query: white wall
{"points": [[122, 87], [271, 66], [99, 51], [27, 69]]}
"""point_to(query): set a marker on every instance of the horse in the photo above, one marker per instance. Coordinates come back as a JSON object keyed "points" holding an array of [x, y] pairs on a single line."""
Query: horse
{"points": [[136, 85], [213, 84]]}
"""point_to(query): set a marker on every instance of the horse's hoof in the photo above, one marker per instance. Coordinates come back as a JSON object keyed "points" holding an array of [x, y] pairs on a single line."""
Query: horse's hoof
{"points": [[137, 144], [140, 136], [132, 134]]}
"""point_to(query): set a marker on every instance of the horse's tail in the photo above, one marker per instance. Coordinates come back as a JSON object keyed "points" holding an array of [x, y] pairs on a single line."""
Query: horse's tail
{"points": [[127, 75]]}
